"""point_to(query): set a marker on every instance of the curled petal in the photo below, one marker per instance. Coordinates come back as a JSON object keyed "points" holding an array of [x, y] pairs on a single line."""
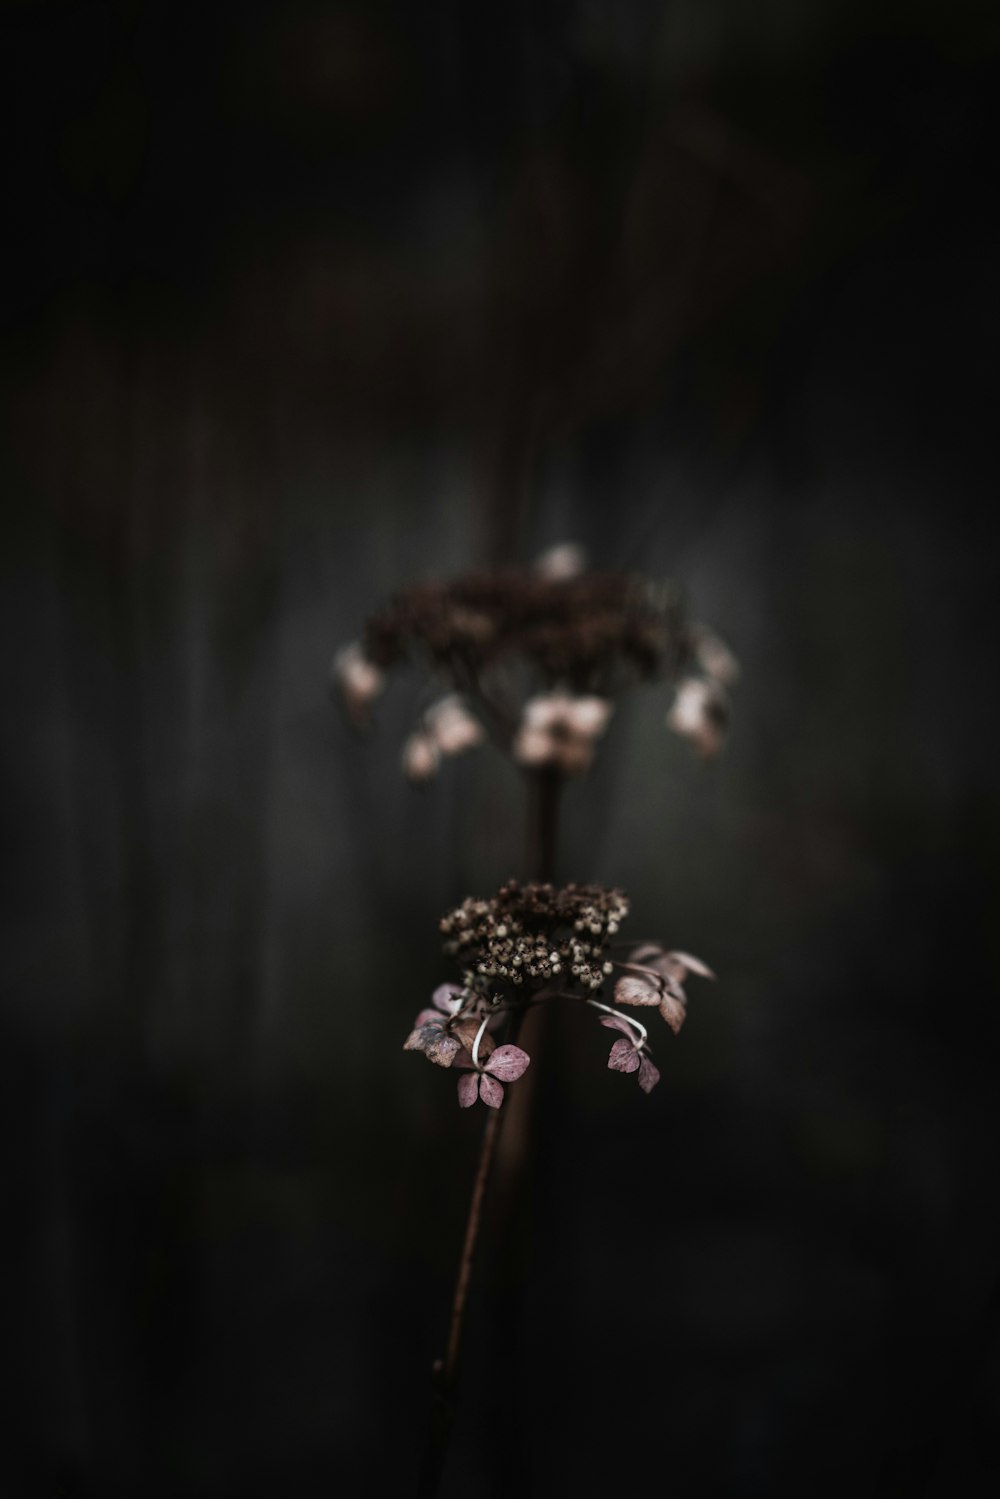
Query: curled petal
{"points": [[428, 1017], [508, 1062], [648, 1075], [618, 1023], [468, 1089], [420, 1037], [690, 965], [448, 997], [633, 989], [646, 953], [624, 1057], [490, 1091], [673, 1012]]}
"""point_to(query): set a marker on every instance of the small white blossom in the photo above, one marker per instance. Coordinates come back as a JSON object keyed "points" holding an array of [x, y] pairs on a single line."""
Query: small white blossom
{"points": [[560, 730], [421, 757], [699, 714], [567, 560], [358, 680], [452, 727]]}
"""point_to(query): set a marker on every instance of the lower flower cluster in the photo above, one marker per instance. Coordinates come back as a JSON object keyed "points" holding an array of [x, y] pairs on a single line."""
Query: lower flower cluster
{"points": [[532, 943]]}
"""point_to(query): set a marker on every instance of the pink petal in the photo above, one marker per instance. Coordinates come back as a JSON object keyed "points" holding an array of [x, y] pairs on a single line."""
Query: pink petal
{"points": [[468, 1089], [508, 1062], [624, 1057], [673, 1012], [618, 1023], [648, 1075], [445, 997], [428, 1017], [633, 989], [490, 1091], [463, 1059]]}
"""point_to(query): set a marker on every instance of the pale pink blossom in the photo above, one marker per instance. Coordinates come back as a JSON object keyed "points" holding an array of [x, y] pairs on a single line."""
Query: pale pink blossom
{"points": [[451, 726], [431, 1033], [561, 731], [421, 757], [714, 656], [561, 562], [699, 714], [358, 680]]}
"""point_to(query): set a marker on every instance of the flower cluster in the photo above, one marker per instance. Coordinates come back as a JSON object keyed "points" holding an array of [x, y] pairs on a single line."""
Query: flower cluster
{"points": [[532, 943], [535, 656]]}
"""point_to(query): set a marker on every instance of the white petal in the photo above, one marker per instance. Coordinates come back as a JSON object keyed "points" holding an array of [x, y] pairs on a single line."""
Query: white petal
{"points": [[452, 726], [714, 656]]}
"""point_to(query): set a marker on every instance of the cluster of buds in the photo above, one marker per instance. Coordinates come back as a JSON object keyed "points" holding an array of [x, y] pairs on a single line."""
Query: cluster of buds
{"points": [[532, 943], [573, 638]]}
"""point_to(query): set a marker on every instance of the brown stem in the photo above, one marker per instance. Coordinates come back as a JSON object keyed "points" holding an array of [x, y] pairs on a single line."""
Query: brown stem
{"points": [[545, 786]]}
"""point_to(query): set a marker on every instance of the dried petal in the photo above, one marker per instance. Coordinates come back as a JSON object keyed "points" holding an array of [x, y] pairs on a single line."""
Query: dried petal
{"points": [[673, 1012], [508, 1062], [467, 1030], [490, 1091], [624, 1057], [648, 1075], [428, 1017], [618, 1023], [421, 1036], [534, 746], [468, 1089], [448, 997], [444, 1050], [633, 989]]}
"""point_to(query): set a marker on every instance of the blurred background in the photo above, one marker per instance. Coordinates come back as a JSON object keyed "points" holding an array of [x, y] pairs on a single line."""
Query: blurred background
{"points": [[308, 301]]}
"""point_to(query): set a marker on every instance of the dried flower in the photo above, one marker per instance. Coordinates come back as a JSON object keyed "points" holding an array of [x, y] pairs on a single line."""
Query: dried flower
{"points": [[560, 730], [536, 656], [431, 1032], [532, 943], [486, 1079], [657, 978]]}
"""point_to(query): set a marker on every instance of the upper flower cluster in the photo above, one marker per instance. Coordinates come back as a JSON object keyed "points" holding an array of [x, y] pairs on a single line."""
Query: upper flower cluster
{"points": [[536, 656], [531, 943]]}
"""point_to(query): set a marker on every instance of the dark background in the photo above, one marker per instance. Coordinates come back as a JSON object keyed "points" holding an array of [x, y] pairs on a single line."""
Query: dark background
{"points": [[306, 301]]}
